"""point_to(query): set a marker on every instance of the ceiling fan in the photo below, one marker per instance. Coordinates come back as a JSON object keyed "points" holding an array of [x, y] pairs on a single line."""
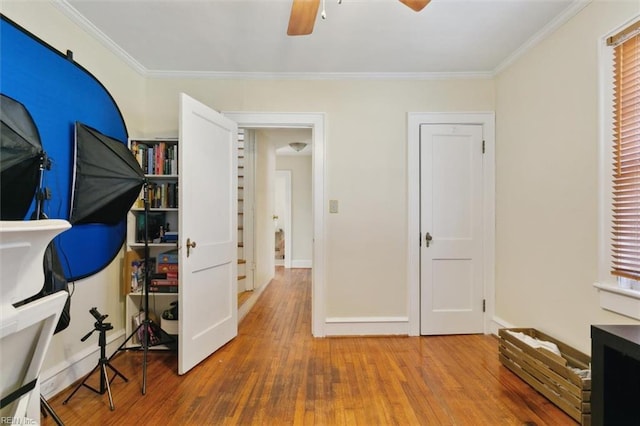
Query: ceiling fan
{"points": [[304, 12]]}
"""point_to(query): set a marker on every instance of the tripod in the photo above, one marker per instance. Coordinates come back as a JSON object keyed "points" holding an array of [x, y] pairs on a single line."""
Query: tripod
{"points": [[103, 362], [148, 337]]}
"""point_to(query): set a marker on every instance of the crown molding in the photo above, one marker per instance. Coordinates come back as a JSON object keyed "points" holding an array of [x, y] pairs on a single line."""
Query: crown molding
{"points": [[233, 75], [572, 10], [93, 31]]}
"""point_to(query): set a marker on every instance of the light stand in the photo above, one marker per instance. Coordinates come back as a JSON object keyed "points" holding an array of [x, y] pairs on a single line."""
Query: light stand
{"points": [[42, 193], [146, 322], [103, 362], [107, 182]]}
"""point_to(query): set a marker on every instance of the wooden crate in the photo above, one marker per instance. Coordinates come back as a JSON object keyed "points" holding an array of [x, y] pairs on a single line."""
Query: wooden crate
{"points": [[549, 373]]}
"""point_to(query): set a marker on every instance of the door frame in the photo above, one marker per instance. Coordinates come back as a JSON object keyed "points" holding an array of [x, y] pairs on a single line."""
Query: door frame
{"points": [[286, 174], [414, 120], [315, 122]]}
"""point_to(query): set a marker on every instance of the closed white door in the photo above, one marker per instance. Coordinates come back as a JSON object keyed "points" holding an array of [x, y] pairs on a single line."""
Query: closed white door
{"points": [[208, 205], [451, 209]]}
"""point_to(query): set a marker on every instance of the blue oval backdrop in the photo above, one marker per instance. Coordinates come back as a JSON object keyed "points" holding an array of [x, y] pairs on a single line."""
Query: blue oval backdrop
{"points": [[58, 92]]}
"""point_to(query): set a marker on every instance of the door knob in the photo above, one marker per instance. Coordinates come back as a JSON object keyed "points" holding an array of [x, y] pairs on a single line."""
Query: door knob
{"points": [[427, 238], [190, 245]]}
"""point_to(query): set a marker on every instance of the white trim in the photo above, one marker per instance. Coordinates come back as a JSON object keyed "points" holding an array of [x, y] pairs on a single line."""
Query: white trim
{"points": [[619, 300], [64, 374], [248, 304], [366, 326], [315, 121], [571, 11], [414, 120], [101, 37], [302, 263], [498, 323], [241, 75]]}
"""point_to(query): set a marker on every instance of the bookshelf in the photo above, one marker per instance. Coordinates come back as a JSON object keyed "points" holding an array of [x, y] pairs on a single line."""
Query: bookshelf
{"points": [[159, 161]]}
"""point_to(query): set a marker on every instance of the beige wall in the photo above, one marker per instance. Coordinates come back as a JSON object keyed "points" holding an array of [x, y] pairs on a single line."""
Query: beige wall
{"points": [[547, 180], [546, 109], [127, 88], [366, 138], [301, 205]]}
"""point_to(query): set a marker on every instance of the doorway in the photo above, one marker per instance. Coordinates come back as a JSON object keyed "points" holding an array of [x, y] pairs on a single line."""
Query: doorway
{"points": [[417, 238], [282, 219], [315, 122]]}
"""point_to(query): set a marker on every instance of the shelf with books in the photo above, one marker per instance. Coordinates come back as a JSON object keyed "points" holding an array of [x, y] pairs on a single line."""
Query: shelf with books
{"points": [[158, 159], [156, 156]]}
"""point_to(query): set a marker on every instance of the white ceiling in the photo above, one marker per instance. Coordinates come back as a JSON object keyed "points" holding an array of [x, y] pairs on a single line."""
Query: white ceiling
{"points": [[359, 37]]}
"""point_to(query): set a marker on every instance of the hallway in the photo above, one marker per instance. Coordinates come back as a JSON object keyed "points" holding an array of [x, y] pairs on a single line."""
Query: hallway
{"points": [[275, 373]]}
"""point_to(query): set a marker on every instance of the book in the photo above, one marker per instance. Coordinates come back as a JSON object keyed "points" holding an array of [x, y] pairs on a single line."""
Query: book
{"points": [[159, 282], [170, 256], [170, 237], [167, 267], [157, 222], [163, 289]]}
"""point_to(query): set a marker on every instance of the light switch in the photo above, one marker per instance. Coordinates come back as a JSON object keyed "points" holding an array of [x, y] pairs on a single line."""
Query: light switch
{"points": [[333, 206]]}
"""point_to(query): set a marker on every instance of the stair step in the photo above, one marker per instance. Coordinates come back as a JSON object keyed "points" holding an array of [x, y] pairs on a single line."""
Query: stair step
{"points": [[241, 277], [241, 261], [240, 244]]}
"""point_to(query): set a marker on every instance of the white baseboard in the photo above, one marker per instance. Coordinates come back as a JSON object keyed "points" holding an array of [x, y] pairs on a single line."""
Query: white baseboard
{"points": [[366, 326], [62, 375], [498, 323], [248, 304], [301, 263]]}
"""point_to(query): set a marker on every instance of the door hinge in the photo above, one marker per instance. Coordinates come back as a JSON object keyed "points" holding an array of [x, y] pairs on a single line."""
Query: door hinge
{"points": [[483, 147], [484, 305], [420, 240]]}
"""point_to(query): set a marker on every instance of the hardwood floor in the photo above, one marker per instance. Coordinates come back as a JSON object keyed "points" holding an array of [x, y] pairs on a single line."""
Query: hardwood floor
{"points": [[276, 373]]}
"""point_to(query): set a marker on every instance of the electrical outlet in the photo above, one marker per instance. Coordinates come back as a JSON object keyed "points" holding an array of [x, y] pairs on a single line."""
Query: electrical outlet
{"points": [[333, 206]]}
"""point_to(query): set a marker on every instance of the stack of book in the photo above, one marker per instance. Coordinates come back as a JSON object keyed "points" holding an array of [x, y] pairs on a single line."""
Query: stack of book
{"points": [[166, 277], [156, 158]]}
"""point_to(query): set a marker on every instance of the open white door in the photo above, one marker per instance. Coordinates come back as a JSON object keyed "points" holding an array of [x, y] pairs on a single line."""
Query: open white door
{"points": [[207, 157], [451, 208]]}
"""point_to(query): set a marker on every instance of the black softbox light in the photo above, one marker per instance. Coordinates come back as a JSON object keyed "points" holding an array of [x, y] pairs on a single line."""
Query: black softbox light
{"points": [[21, 158], [107, 179]]}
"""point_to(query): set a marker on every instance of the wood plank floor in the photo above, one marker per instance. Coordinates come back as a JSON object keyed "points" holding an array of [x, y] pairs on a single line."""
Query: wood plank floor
{"points": [[276, 373]]}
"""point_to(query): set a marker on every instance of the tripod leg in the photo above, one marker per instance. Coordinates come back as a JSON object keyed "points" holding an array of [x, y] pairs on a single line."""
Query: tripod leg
{"points": [[122, 346], [106, 380], [116, 372], [48, 409], [80, 384]]}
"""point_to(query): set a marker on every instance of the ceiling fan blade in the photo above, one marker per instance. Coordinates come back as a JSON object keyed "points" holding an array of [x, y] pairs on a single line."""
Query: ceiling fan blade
{"points": [[416, 5], [303, 17]]}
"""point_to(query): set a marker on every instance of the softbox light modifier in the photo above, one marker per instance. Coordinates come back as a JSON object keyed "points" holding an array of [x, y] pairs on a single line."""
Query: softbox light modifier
{"points": [[21, 157], [107, 178]]}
